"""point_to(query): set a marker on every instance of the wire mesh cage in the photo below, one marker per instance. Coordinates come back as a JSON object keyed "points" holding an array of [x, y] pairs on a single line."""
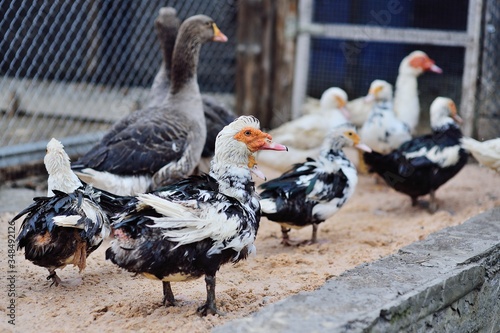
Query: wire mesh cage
{"points": [[70, 68], [354, 64]]}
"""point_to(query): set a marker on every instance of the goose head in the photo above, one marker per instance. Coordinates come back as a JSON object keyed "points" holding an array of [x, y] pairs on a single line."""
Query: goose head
{"points": [[202, 28], [166, 26]]}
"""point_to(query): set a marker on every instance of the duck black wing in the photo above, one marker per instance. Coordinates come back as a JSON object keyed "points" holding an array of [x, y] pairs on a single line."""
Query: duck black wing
{"points": [[297, 191]]}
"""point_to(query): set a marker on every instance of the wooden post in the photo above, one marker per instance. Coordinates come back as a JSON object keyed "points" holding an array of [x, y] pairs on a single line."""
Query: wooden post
{"points": [[265, 57], [302, 60], [252, 73], [284, 61], [471, 66]]}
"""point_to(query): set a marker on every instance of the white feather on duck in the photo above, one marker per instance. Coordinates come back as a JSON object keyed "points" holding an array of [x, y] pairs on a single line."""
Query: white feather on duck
{"points": [[421, 165], [406, 101], [304, 135], [486, 152], [313, 191], [162, 143], [67, 225], [190, 228], [58, 166], [383, 131]]}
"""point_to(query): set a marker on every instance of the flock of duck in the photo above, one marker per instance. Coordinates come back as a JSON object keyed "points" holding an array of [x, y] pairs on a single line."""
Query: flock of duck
{"points": [[146, 183]]}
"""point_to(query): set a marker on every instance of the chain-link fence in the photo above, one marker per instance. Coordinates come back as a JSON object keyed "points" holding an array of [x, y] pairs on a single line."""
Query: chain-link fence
{"points": [[355, 42], [71, 68]]}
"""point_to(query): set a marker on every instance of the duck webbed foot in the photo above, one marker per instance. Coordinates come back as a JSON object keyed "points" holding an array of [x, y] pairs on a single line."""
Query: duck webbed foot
{"points": [[432, 206], [209, 307], [285, 238], [56, 280]]}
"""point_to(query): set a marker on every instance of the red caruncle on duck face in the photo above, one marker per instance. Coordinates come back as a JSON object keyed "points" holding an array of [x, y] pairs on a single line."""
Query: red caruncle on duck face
{"points": [[256, 140]]}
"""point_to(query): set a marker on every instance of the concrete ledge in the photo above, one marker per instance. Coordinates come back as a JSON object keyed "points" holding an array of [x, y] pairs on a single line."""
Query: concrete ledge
{"points": [[449, 282]]}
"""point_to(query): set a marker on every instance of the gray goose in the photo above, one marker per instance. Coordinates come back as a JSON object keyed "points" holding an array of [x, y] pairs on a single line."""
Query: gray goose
{"points": [[216, 115], [161, 143]]}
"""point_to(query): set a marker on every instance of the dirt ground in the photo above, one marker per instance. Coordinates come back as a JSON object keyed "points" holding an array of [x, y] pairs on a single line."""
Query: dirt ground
{"points": [[377, 221]]}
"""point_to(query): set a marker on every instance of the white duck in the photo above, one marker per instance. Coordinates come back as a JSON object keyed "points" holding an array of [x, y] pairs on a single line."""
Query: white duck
{"points": [[406, 101], [304, 135], [163, 143], [190, 228], [486, 153]]}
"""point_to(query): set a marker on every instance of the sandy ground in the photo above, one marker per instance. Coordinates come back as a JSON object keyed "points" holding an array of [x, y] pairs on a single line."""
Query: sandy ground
{"points": [[376, 222]]}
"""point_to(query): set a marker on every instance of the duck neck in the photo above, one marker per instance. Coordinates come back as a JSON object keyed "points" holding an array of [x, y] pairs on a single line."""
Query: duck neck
{"points": [[406, 102], [184, 63], [235, 180], [383, 105], [443, 124]]}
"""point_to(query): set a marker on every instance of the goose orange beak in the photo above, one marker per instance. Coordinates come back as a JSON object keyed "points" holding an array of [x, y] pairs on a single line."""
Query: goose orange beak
{"points": [[218, 35]]}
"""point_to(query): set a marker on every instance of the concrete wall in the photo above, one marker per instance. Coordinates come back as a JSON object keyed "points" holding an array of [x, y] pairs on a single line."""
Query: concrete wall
{"points": [[449, 282]]}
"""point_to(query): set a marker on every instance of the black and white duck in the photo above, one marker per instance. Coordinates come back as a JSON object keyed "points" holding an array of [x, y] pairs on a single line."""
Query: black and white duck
{"points": [[313, 191], [190, 228], [421, 165], [66, 226]]}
